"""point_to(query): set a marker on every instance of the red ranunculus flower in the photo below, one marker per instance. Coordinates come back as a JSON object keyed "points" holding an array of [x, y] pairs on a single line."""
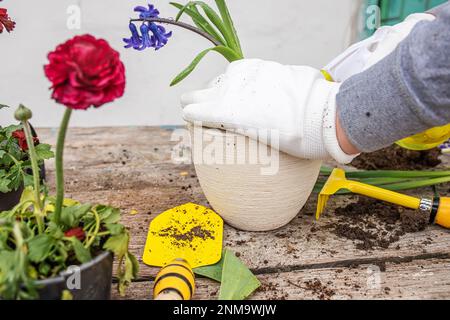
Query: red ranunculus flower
{"points": [[85, 72], [22, 139], [5, 21], [75, 232]]}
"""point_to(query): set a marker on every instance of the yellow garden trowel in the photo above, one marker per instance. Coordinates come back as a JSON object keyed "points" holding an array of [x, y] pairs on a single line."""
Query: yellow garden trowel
{"points": [[180, 239], [438, 208]]}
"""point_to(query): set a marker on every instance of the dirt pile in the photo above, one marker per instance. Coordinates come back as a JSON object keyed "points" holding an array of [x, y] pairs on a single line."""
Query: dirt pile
{"points": [[373, 223], [397, 158]]}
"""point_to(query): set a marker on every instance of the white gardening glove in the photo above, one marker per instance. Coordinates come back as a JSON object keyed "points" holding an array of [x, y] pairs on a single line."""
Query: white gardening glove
{"points": [[295, 101], [362, 55]]}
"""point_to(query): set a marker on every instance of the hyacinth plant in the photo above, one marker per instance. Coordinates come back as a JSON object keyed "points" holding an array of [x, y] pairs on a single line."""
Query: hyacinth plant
{"points": [[6, 23], [218, 28], [43, 235]]}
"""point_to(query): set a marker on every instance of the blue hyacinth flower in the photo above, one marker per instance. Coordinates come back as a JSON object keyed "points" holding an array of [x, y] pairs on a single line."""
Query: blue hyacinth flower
{"points": [[145, 13], [147, 41], [135, 41], [160, 36], [142, 39]]}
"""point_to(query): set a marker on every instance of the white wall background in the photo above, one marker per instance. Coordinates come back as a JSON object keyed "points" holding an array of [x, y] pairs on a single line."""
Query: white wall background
{"points": [[307, 32]]}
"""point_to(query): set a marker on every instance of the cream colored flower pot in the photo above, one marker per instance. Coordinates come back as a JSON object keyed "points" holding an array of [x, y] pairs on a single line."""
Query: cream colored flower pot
{"points": [[252, 195]]}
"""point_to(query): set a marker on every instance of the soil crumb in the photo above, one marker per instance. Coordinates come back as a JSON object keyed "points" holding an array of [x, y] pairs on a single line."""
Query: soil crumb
{"points": [[397, 158], [373, 223], [273, 291], [319, 289]]}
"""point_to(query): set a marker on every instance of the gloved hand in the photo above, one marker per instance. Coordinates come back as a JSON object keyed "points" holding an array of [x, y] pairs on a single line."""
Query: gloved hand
{"points": [[362, 55], [296, 101]]}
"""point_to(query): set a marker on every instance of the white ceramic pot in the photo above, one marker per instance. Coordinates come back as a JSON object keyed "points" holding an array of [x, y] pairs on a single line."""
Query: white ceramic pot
{"points": [[250, 195]]}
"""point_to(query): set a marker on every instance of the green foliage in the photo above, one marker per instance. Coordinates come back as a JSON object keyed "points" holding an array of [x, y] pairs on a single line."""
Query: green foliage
{"points": [[15, 166], [219, 26], [226, 52], [237, 281], [27, 255]]}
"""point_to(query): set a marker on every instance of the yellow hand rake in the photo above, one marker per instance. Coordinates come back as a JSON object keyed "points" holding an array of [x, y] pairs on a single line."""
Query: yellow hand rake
{"points": [[438, 208]]}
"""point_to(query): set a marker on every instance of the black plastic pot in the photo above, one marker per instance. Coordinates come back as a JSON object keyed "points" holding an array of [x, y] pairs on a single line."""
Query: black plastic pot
{"points": [[95, 281], [10, 199]]}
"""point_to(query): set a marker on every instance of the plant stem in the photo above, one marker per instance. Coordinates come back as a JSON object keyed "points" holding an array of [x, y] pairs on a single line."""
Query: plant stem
{"points": [[59, 164], [36, 175], [181, 25], [97, 228]]}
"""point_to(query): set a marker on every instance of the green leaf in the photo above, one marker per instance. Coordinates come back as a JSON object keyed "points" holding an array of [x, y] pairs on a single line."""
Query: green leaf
{"points": [[27, 195], [6, 260], [10, 129], [44, 268], [4, 106], [128, 273], [218, 23], [238, 282], [44, 152], [115, 228], [70, 216], [135, 265], [4, 185], [39, 247], [2, 153], [28, 179], [228, 21], [54, 230], [108, 214], [213, 272], [118, 244], [15, 175], [226, 52], [83, 255], [198, 20]]}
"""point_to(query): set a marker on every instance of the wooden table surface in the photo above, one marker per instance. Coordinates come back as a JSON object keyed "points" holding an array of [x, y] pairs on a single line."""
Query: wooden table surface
{"points": [[131, 168]]}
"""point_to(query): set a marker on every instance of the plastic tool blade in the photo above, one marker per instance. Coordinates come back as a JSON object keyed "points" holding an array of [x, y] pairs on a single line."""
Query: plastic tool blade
{"points": [[190, 232]]}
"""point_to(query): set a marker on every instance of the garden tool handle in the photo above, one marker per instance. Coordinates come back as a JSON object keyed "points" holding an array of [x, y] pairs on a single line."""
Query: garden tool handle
{"points": [[175, 281], [383, 194], [438, 207], [440, 213]]}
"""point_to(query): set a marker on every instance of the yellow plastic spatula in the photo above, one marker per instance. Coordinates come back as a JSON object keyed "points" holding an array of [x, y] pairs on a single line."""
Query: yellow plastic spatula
{"points": [[180, 239], [438, 208]]}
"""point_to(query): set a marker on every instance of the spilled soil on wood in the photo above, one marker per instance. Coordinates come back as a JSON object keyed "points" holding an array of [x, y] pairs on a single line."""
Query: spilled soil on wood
{"points": [[372, 223], [397, 158]]}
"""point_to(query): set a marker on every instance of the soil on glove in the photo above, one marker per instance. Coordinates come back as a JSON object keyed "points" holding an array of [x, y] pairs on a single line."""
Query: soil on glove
{"points": [[373, 223], [397, 158]]}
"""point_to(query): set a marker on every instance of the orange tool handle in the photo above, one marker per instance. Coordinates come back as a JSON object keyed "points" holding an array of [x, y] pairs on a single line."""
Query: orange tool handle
{"points": [[440, 214]]}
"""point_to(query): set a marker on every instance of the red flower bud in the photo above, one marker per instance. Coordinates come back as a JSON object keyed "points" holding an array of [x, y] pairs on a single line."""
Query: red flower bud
{"points": [[75, 232]]}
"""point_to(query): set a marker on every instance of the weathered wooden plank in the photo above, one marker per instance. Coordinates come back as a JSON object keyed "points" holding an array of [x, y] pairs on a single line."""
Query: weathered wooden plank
{"points": [[424, 279], [131, 168]]}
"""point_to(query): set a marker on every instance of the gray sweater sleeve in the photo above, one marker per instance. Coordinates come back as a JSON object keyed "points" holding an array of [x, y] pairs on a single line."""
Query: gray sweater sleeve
{"points": [[406, 93]]}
